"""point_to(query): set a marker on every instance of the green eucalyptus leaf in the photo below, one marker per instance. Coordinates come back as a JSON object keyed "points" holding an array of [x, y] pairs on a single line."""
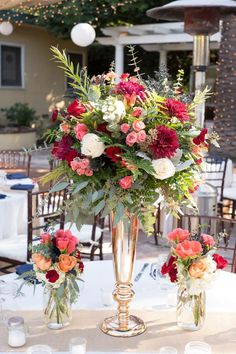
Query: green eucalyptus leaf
{"points": [[119, 212], [59, 186], [99, 207], [80, 186]]}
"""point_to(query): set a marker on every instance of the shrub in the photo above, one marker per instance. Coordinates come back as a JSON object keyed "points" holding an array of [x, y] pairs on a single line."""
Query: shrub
{"points": [[20, 114]]}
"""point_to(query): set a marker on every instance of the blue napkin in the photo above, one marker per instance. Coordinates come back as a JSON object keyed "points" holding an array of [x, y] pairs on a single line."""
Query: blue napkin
{"points": [[22, 187], [21, 269], [2, 196], [17, 175]]}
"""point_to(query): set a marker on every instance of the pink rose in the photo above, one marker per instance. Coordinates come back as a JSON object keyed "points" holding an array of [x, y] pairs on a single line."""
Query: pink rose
{"points": [[141, 136], [131, 138], [178, 235], [125, 128], [75, 165], [188, 249], [126, 182], [80, 130], [138, 125], [137, 112], [45, 238], [208, 240]]}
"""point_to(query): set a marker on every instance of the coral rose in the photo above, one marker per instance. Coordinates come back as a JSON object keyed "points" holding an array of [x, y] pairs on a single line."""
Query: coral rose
{"points": [[137, 112], [125, 128], [126, 182], [41, 262], [178, 235], [45, 238], [188, 249], [208, 240], [75, 164], [198, 269], [65, 241], [66, 262]]}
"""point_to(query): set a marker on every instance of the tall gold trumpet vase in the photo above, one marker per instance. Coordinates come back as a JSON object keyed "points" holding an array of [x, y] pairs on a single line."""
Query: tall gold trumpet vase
{"points": [[124, 239]]}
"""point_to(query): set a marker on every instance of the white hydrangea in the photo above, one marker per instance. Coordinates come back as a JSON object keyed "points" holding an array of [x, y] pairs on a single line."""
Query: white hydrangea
{"points": [[113, 110]]}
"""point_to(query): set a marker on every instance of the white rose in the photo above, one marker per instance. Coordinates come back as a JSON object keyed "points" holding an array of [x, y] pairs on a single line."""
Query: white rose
{"points": [[92, 146], [163, 168]]}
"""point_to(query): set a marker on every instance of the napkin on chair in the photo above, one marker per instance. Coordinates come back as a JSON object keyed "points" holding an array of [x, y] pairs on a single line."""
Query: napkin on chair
{"points": [[2, 196], [16, 175], [23, 187]]}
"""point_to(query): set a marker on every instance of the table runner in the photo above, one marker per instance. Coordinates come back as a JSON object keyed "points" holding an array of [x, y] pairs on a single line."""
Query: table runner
{"points": [[219, 331]]}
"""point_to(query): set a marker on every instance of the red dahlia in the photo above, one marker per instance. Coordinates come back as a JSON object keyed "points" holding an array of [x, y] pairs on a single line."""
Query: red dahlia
{"points": [[169, 267], [201, 137], [165, 143], [177, 109]]}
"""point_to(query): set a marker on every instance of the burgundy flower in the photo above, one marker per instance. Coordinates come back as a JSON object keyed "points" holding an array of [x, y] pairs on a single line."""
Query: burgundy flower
{"points": [[177, 109], [130, 87], [165, 143], [54, 115], [201, 137], [70, 155], [221, 262], [76, 108], [169, 267], [81, 266], [62, 149], [113, 152], [52, 275], [103, 128]]}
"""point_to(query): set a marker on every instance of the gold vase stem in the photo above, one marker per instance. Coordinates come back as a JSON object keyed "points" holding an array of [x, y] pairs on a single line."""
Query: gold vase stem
{"points": [[124, 240]]}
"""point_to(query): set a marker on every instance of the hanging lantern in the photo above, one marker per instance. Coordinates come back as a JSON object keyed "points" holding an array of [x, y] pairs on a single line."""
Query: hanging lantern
{"points": [[6, 28], [83, 34]]}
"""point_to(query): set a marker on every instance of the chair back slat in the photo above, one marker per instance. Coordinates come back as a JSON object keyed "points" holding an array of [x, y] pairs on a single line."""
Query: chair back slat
{"points": [[215, 170], [15, 159]]}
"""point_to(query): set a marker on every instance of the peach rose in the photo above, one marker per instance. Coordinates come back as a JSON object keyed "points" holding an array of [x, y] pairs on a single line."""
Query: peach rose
{"points": [[131, 138], [75, 165], [138, 125], [188, 249], [65, 128], [178, 235], [197, 269], [66, 262], [41, 262], [208, 240]]}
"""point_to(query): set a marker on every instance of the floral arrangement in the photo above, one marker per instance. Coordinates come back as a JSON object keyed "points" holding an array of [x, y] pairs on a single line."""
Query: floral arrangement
{"points": [[192, 265], [57, 265], [126, 144]]}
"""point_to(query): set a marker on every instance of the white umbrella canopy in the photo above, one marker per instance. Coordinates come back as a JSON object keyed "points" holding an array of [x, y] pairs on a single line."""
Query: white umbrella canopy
{"points": [[9, 4]]}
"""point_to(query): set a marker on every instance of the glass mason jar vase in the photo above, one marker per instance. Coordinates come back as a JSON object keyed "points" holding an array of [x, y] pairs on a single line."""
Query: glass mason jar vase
{"points": [[57, 309], [190, 310]]}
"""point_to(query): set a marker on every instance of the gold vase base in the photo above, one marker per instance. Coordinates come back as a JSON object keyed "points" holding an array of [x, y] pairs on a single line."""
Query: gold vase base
{"points": [[112, 327]]}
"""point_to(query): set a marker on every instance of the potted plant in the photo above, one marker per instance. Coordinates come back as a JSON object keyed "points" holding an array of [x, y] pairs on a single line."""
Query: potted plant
{"points": [[19, 132]]}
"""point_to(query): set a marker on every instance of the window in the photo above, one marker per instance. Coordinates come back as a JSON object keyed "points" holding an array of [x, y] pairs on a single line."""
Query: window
{"points": [[76, 59], [11, 66]]}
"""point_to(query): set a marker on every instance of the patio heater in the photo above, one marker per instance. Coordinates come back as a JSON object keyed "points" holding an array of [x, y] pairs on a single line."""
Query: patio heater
{"points": [[201, 19]]}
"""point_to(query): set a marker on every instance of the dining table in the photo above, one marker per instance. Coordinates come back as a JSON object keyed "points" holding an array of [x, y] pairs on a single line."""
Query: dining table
{"points": [[154, 302], [13, 207]]}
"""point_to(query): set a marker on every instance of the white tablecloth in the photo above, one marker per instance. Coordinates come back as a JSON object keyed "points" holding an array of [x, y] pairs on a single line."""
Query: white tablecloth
{"points": [[150, 293], [13, 209]]}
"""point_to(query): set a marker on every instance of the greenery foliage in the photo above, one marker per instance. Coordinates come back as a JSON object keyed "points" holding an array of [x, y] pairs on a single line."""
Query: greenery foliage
{"points": [[20, 114]]}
